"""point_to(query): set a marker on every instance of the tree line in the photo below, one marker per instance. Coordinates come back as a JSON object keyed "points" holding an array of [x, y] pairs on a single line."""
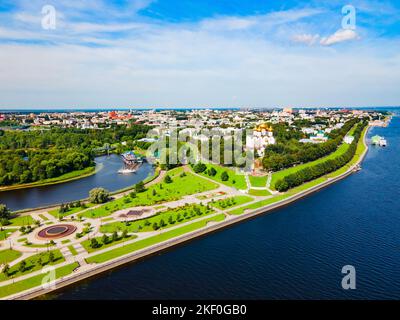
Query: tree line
{"points": [[289, 152], [321, 169]]}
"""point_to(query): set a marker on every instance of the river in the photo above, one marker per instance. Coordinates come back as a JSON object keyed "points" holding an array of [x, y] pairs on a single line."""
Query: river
{"points": [[296, 252], [107, 177]]}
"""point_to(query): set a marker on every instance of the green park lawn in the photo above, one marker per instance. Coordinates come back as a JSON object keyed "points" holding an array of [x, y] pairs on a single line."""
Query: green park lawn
{"points": [[235, 180], [171, 217], [73, 250], [86, 243], [55, 213], [32, 264], [6, 256], [43, 217], [112, 254], [35, 281], [21, 221], [158, 193], [231, 202], [258, 182], [259, 192], [4, 234]]}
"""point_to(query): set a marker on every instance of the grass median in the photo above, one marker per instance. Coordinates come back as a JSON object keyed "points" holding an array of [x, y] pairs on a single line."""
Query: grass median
{"points": [[129, 248]]}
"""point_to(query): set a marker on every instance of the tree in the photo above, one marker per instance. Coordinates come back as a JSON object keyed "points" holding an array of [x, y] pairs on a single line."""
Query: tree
{"points": [[105, 239], [125, 233], [94, 243], [133, 194], [4, 212], [213, 172], [224, 176], [139, 187], [199, 167], [167, 179], [51, 256], [99, 195], [6, 270], [22, 266], [115, 236], [155, 226], [162, 223]]}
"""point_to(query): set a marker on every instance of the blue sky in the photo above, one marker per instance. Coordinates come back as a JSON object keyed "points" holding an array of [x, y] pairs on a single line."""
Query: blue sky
{"points": [[199, 53]]}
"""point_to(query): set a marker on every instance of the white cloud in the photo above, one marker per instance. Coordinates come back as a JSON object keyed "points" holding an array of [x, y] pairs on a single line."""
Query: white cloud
{"points": [[308, 39], [195, 64], [339, 36]]}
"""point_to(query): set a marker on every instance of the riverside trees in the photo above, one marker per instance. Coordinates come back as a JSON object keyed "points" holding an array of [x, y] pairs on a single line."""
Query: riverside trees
{"points": [[99, 195], [318, 170], [36, 155], [289, 152]]}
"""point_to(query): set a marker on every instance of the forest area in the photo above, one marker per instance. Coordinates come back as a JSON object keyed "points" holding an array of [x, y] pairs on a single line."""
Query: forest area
{"points": [[36, 155]]}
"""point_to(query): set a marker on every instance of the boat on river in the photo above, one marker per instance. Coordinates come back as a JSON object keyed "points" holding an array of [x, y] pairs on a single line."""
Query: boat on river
{"points": [[126, 171]]}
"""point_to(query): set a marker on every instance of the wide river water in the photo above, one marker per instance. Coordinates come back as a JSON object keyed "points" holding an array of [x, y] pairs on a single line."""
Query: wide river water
{"points": [[107, 177], [296, 252]]}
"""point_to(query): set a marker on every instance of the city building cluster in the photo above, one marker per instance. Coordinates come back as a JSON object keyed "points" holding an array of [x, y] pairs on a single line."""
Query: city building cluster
{"points": [[315, 124]]}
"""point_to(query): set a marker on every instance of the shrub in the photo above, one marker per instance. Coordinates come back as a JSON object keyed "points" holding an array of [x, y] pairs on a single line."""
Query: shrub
{"points": [[199, 167], [224, 176], [167, 179]]}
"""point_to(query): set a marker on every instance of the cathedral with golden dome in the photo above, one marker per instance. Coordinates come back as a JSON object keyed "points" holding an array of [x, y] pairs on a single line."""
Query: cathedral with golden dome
{"points": [[263, 135]]}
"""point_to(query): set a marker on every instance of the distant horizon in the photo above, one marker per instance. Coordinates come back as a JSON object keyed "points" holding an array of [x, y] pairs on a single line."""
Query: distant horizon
{"points": [[71, 109]]}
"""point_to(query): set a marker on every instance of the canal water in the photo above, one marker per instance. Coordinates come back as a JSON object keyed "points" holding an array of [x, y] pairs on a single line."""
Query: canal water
{"points": [[107, 177], [297, 252]]}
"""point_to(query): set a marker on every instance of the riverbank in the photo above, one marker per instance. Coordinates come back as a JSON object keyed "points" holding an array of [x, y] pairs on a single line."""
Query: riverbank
{"points": [[102, 267], [71, 176]]}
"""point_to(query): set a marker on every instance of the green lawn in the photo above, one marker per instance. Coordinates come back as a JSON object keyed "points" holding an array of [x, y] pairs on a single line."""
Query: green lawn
{"points": [[4, 234], [283, 173], [9, 255], [33, 265], [178, 216], [86, 243], [112, 254], [237, 181], [35, 281], [40, 245], [258, 182], [158, 193], [259, 193], [55, 212], [21, 221], [277, 198], [73, 250], [44, 218], [231, 202]]}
